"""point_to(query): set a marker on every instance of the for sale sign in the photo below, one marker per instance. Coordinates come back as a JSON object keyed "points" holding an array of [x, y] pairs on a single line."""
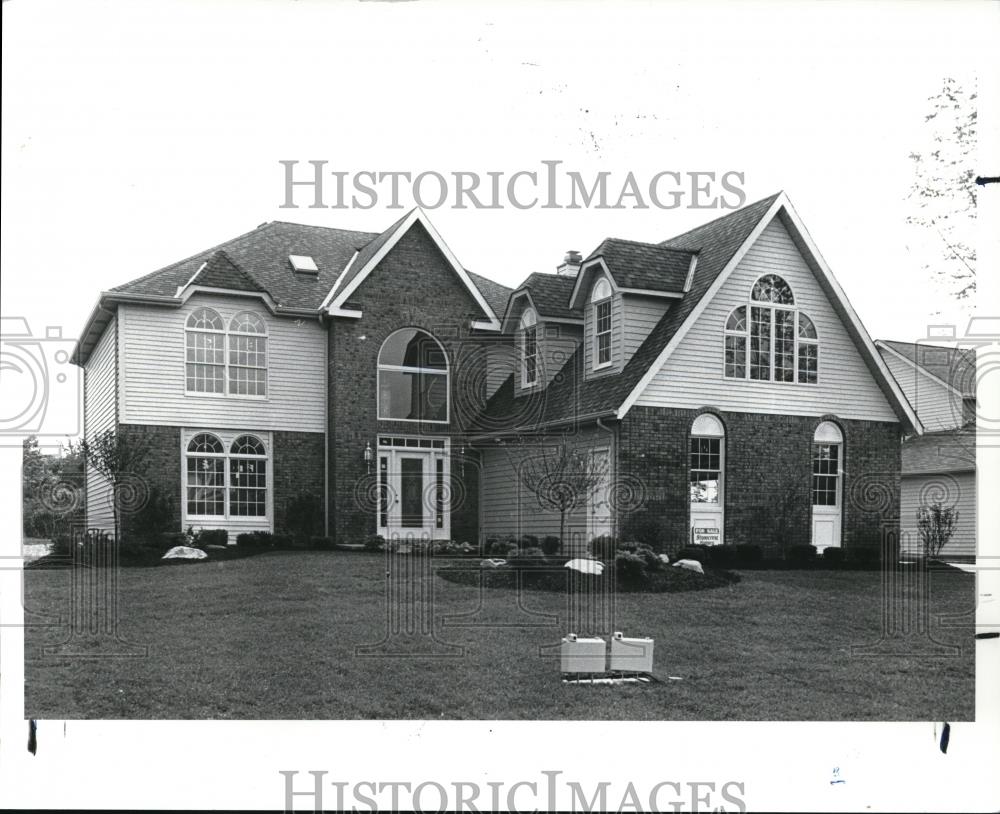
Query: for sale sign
{"points": [[706, 535]]}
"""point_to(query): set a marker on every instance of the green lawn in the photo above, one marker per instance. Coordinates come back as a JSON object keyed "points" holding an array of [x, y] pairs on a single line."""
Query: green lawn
{"points": [[278, 636]]}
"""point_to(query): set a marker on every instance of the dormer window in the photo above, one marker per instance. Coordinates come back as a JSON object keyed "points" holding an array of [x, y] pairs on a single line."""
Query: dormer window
{"points": [[529, 347], [600, 298], [769, 338], [303, 263]]}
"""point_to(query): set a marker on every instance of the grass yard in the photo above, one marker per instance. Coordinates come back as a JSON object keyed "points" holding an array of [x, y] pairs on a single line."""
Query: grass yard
{"points": [[277, 636]]}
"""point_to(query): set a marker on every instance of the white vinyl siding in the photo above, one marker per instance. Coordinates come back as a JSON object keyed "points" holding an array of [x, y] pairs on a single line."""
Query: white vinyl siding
{"points": [[99, 406], [153, 370], [639, 317], [556, 345], [937, 407], [509, 508], [501, 362], [694, 373], [961, 492]]}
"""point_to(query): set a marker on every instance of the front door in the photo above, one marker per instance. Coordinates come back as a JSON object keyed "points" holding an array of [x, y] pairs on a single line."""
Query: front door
{"points": [[826, 495], [413, 496]]}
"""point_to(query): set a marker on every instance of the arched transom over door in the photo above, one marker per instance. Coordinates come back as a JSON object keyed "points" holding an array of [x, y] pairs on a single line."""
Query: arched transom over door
{"points": [[706, 479], [827, 485]]}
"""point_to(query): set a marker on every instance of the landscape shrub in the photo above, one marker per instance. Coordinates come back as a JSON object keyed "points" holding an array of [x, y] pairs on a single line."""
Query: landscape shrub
{"points": [[170, 539], [722, 556], [693, 552], [155, 515], [864, 555], [321, 543], [833, 555], [528, 553], [283, 541], [374, 542], [748, 554], [255, 540], [800, 553], [630, 567], [213, 537], [303, 516], [502, 548], [551, 545], [604, 547], [62, 544], [528, 541]]}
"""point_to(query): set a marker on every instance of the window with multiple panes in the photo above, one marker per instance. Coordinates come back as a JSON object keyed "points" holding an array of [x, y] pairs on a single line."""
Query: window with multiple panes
{"points": [[826, 474], [529, 347], [215, 355], [221, 482], [601, 300], [769, 338], [413, 378]]}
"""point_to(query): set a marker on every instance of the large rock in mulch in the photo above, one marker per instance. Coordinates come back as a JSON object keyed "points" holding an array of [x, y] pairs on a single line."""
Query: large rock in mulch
{"points": [[585, 566], [183, 552], [690, 565], [493, 562]]}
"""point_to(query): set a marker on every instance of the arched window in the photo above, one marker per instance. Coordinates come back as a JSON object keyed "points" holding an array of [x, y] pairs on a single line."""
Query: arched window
{"points": [[706, 460], [206, 477], [600, 298], [211, 363], [412, 378], [827, 460], [529, 347], [247, 477], [769, 338], [205, 349], [247, 355]]}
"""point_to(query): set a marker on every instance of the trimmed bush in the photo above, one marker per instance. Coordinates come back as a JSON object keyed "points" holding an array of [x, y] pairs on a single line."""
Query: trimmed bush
{"points": [[693, 552], [551, 545], [748, 554], [375, 542], [801, 553], [212, 537], [630, 567], [528, 541], [255, 540], [833, 555], [170, 539], [722, 556], [604, 548]]}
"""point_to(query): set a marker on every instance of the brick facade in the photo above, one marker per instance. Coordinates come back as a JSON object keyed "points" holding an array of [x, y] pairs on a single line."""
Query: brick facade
{"points": [[161, 475], [413, 286], [297, 467], [768, 471]]}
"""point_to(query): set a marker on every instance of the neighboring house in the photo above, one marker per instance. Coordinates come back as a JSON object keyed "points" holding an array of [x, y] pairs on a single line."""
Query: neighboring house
{"points": [[720, 378], [940, 384]]}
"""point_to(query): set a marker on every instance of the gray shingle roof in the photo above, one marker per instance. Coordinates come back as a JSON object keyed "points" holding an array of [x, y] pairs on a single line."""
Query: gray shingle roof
{"points": [[570, 396], [945, 451], [955, 366], [550, 294], [494, 293], [649, 266], [221, 272]]}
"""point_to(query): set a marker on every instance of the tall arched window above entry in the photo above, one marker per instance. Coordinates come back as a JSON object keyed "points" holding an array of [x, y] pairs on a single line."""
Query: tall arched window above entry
{"points": [[529, 347], [706, 459], [205, 352], [248, 355], [769, 338], [413, 378], [600, 298]]}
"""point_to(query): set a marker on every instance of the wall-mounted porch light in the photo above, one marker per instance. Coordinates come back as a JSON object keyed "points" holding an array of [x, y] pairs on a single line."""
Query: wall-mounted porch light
{"points": [[369, 456]]}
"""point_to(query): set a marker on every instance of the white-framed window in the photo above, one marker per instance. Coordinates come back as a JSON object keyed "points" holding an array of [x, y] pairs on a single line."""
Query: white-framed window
{"points": [[205, 352], [600, 298], [769, 338], [215, 355], [223, 482], [706, 460], [413, 378], [827, 464], [247, 355], [529, 347]]}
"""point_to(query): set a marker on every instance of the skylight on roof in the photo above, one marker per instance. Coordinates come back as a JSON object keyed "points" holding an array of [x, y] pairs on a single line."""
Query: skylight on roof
{"points": [[303, 262]]}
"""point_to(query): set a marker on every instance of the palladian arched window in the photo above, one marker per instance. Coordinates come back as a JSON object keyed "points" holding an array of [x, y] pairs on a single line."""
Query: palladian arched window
{"points": [[247, 477], [206, 476], [205, 349], [413, 378], [215, 355], [769, 338], [223, 483]]}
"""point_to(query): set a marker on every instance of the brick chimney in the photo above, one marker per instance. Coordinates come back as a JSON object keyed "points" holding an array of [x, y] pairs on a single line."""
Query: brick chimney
{"points": [[570, 264]]}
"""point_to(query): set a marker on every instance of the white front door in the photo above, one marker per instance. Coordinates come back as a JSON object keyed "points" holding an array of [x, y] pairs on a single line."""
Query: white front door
{"points": [[413, 494], [599, 505], [827, 496]]}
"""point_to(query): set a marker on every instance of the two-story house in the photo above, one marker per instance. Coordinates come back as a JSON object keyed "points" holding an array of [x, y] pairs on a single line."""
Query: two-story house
{"points": [[721, 378], [940, 465]]}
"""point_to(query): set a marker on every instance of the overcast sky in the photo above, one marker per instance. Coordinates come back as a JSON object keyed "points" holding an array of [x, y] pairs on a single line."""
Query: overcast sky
{"points": [[135, 135]]}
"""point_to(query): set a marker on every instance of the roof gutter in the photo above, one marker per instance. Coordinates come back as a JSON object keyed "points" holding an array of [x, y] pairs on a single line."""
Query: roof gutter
{"points": [[544, 424]]}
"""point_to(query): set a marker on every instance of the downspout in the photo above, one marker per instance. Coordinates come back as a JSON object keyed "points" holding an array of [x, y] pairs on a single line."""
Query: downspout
{"points": [[613, 432], [326, 428]]}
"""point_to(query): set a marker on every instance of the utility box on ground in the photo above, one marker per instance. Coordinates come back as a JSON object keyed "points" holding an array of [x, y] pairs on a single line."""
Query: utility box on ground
{"points": [[583, 655], [631, 655]]}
